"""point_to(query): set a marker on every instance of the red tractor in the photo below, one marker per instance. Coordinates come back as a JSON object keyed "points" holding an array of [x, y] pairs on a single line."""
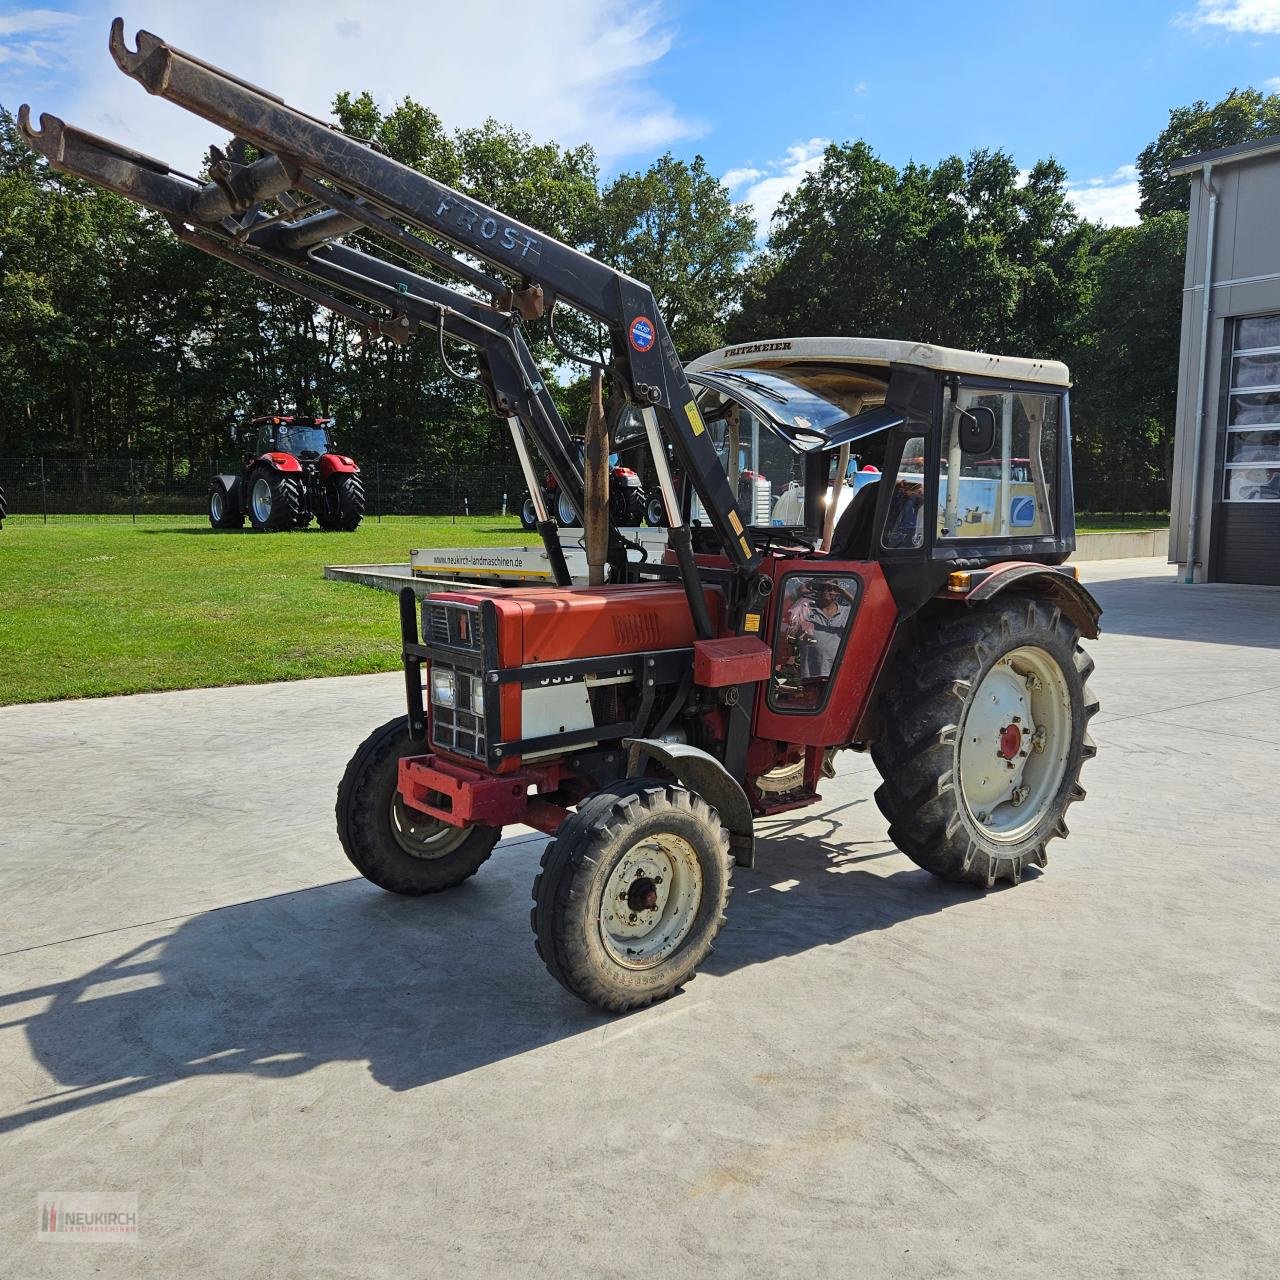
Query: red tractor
{"points": [[646, 720], [292, 473], [626, 499]]}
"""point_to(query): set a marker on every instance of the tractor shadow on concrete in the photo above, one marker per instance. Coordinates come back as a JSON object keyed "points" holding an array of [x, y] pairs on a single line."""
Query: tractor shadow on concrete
{"points": [[422, 989]]}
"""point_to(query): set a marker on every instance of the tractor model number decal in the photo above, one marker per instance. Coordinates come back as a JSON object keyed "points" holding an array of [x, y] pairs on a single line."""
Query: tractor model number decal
{"points": [[465, 218], [642, 333]]}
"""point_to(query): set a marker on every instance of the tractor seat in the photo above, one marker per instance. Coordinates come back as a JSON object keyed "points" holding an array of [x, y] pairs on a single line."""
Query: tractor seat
{"points": [[851, 538]]}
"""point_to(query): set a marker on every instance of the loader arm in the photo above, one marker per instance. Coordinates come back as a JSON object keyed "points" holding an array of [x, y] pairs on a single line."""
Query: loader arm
{"points": [[350, 185]]}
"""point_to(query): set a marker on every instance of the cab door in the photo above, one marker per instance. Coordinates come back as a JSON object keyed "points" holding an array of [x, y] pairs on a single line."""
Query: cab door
{"points": [[829, 629]]}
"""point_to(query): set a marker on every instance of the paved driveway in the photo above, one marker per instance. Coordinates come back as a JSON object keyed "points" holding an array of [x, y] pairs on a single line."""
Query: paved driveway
{"points": [[875, 1075]]}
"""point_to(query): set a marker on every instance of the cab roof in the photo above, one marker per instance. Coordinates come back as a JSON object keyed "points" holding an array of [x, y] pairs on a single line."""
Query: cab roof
{"points": [[779, 352]]}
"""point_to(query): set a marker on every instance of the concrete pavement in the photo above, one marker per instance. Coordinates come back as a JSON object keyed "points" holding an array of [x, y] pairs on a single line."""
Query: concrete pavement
{"points": [[875, 1075]]}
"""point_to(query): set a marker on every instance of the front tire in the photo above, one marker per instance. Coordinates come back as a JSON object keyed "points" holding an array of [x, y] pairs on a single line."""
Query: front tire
{"points": [[528, 515], [566, 516], [342, 506], [986, 734], [632, 893], [391, 844], [655, 513], [275, 501]]}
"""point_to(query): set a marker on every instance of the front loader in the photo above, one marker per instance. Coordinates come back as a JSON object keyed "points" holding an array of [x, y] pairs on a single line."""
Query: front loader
{"points": [[645, 723]]}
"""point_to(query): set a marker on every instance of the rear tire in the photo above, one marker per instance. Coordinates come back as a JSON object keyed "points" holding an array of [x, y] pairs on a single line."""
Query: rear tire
{"points": [[342, 507], [224, 509], [391, 844], [986, 733], [275, 500], [632, 893]]}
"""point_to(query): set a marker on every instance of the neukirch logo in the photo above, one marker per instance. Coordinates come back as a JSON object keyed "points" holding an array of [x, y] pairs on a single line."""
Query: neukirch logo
{"points": [[94, 1217]]}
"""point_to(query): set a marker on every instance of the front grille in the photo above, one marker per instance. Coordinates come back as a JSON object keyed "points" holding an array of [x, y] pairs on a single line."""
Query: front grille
{"points": [[456, 625], [459, 728]]}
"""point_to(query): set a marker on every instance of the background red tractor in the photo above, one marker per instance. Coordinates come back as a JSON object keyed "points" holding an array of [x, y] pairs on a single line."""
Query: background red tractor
{"points": [[292, 473]]}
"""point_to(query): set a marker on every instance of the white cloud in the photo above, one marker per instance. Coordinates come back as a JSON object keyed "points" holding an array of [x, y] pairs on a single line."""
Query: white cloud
{"points": [[860, 88], [28, 37], [1112, 200], [764, 188], [1272, 85], [569, 70], [1240, 17]]}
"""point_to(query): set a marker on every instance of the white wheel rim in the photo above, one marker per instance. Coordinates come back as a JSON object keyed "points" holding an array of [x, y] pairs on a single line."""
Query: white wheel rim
{"points": [[650, 901], [1014, 744], [530, 515], [215, 504], [261, 500], [420, 835], [565, 509]]}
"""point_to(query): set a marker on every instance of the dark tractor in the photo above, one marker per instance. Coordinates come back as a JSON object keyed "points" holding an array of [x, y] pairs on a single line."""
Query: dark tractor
{"points": [[292, 473]]}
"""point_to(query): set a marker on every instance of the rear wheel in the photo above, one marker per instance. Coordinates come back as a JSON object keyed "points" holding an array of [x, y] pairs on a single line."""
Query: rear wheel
{"points": [[224, 509], [275, 501], [342, 504], [632, 893], [986, 734], [392, 844]]}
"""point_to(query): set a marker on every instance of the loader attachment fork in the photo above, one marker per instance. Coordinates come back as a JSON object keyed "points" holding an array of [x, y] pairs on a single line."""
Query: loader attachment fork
{"points": [[351, 186]]}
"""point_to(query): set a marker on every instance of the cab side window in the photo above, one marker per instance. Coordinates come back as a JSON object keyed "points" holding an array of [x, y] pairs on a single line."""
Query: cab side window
{"points": [[1007, 490], [816, 615], [904, 524]]}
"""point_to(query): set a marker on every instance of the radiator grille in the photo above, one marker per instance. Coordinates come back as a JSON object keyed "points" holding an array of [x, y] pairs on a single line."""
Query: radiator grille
{"points": [[456, 625]]}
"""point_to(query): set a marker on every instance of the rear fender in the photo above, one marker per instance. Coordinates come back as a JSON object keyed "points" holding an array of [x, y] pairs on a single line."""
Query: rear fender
{"points": [[280, 462], [337, 464], [705, 776], [1075, 600]]}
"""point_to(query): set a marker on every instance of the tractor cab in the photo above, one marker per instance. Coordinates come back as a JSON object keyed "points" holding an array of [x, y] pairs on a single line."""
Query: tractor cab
{"points": [[305, 438]]}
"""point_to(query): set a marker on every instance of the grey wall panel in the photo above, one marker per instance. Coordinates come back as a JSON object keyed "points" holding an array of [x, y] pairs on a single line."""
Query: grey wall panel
{"points": [[1247, 543]]}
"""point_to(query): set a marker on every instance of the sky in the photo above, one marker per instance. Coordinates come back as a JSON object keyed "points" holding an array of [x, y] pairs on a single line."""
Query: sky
{"points": [[758, 89]]}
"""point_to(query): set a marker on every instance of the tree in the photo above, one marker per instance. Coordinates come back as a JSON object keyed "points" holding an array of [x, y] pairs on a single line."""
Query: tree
{"points": [[674, 227], [967, 253], [1242, 116], [1126, 371]]}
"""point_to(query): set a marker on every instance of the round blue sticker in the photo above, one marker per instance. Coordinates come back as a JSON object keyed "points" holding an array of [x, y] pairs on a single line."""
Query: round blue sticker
{"points": [[642, 333]]}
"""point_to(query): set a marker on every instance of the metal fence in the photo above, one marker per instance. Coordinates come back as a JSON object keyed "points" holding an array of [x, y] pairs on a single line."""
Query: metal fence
{"points": [[138, 487], [49, 487]]}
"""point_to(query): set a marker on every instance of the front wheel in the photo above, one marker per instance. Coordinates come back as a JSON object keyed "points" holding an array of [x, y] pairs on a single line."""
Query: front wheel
{"points": [[566, 516], [528, 515], [632, 893], [275, 501], [399, 848], [986, 734], [655, 512], [342, 503]]}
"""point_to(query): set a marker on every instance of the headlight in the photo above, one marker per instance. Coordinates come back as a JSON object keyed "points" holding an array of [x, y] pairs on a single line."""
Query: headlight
{"points": [[442, 688], [477, 695]]}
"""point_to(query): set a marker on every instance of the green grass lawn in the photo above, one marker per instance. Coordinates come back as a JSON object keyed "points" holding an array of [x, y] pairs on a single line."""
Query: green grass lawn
{"points": [[97, 605], [1109, 522], [92, 606]]}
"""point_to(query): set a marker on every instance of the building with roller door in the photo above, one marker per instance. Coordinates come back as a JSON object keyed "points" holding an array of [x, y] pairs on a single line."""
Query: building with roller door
{"points": [[1225, 506]]}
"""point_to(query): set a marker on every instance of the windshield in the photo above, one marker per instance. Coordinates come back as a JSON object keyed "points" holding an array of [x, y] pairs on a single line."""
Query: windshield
{"points": [[298, 440], [803, 397]]}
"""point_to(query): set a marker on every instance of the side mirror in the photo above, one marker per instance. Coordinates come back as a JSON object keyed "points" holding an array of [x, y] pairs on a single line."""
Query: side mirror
{"points": [[978, 430]]}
